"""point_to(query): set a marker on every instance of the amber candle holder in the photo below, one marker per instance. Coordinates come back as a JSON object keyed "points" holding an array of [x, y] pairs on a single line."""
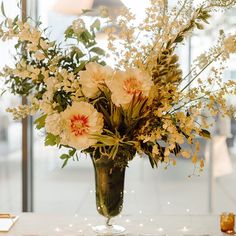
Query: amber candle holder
{"points": [[227, 223]]}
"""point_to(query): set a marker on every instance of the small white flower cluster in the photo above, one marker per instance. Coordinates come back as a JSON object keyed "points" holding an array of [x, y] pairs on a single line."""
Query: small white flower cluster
{"points": [[53, 124], [103, 12], [78, 26], [23, 111], [202, 60], [230, 45]]}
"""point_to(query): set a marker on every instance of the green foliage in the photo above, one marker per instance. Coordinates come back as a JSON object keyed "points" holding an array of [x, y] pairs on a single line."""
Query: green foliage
{"points": [[205, 133], [3, 10], [51, 140], [87, 39], [67, 157], [40, 122], [199, 16], [97, 51], [86, 11], [20, 86], [81, 66], [96, 25], [62, 99]]}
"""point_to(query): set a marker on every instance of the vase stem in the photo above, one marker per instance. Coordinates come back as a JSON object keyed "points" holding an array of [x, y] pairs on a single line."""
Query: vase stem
{"points": [[108, 224]]}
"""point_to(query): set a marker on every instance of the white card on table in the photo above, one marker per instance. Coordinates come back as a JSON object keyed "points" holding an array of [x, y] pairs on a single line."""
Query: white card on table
{"points": [[7, 223]]}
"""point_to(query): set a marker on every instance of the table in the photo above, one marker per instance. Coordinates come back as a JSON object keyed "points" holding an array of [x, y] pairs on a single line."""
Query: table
{"points": [[30, 224]]}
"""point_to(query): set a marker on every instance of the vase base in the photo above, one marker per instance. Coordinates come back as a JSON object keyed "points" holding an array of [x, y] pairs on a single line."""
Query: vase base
{"points": [[108, 230]]}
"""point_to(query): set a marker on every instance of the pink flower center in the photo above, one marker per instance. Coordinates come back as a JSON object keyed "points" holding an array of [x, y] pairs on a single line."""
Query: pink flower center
{"points": [[132, 86], [79, 125]]}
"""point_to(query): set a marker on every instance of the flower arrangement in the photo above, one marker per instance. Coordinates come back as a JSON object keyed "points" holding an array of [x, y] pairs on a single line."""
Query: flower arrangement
{"points": [[142, 104]]}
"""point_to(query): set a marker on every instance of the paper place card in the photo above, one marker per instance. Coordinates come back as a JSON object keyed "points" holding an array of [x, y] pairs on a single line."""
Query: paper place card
{"points": [[7, 223]]}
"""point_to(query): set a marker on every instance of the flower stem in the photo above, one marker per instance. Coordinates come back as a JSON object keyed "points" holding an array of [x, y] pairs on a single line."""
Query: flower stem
{"points": [[201, 71]]}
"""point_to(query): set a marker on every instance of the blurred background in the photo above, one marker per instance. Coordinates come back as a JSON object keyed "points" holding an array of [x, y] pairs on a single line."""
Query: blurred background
{"points": [[147, 191]]}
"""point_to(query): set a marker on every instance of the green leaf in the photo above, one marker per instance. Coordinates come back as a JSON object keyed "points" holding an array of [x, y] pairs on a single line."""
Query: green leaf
{"points": [[114, 151], [103, 63], [199, 26], [69, 32], [95, 58], [3, 10], [152, 162], [81, 66], [65, 163], [64, 156], [106, 115], [177, 149], [51, 140], [78, 53], [86, 11], [179, 39], [15, 19], [96, 25], [205, 133], [97, 50], [4, 91], [105, 139], [87, 36], [17, 45], [206, 21], [72, 152], [40, 122]]}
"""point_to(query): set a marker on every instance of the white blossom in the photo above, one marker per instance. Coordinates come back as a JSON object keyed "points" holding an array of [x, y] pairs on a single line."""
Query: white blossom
{"points": [[53, 124]]}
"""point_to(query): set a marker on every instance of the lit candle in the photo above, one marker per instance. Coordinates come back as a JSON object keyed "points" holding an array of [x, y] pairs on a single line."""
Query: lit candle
{"points": [[227, 222]]}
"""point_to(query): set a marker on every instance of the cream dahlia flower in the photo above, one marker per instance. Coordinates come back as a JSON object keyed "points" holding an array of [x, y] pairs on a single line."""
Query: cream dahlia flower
{"points": [[80, 121], [53, 124], [94, 75], [126, 84]]}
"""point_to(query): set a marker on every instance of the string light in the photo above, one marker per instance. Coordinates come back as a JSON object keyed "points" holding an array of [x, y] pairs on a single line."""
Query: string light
{"points": [[57, 229], [160, 229], [185, 229]]}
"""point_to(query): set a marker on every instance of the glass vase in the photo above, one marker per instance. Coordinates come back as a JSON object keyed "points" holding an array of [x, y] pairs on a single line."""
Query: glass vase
{"points": [[109, 181]]}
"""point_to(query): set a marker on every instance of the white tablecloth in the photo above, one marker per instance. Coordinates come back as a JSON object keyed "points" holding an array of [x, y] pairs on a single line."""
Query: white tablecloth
{"points": [[41, 225]]}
